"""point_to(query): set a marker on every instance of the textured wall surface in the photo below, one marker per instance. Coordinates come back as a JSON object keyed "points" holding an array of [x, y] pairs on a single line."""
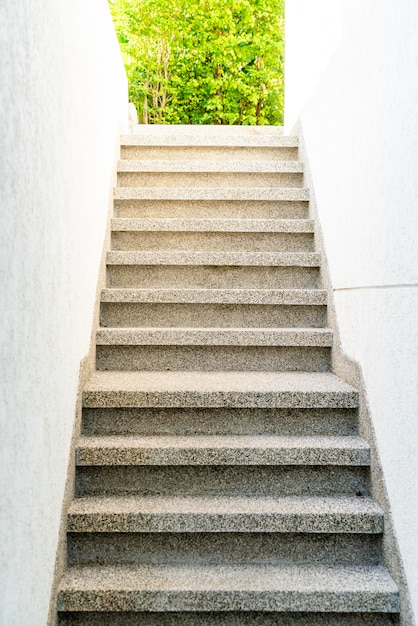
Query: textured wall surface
{"points": [[360, 123], [63, 97]]}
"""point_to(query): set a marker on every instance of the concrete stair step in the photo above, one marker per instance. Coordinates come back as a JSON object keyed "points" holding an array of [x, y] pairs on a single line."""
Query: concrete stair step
{"points": [[321, 337], [288, 297], [197, 179], [221, 450], [202, 131], [213, 225], [219, 315], [222, 480], [212, 193], [191, 269], [228, 618], [218, 389], [213, 308], [189, 241], [271, 349], [228, 548], [228, 588], [135, 514], [207, 136], [220, 153], [191, 272], [210, 209], [263, 259], [187, 358], [219, 421], [207, 165]]}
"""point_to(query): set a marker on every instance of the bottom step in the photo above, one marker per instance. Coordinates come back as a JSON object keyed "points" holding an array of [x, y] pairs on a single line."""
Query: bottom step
{"points": [[231, 618], [228, 588]]}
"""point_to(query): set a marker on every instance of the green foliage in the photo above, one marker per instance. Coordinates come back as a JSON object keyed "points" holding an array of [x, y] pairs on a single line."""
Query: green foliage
{"points": [[203, 61]]}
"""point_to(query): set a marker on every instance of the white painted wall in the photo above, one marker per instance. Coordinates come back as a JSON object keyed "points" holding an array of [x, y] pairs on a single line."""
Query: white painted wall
{"points": [[352, 79], [63, 98]]}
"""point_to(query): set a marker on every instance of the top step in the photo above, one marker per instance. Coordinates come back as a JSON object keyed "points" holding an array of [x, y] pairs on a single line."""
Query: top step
{"points": [[206, 129], [201, 135]]}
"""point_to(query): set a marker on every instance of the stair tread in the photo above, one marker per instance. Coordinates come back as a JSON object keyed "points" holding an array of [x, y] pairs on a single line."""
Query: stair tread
{"points": [[215, 336], [222, 296], [213, 225], [212, 193], [222, 450], [208, 165], [309, 514], [162, 257], [217, 389], [229, 587]]}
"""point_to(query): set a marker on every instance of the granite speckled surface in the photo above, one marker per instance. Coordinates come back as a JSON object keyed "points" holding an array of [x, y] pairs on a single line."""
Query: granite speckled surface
{"points": [[215, 336], [220, 139], [207, 209], [210, 193], [198, 275], [195, 421], [213, 153], [303, 514], [213, 308], [205, 357], [207, 165], [189, 241], [219, 481], [298, 588], [211, 315], [214, 389], [229, 618], [209, 180], [313, 297], [224, 450], [210, 225], [307, 259], [232, 547]]}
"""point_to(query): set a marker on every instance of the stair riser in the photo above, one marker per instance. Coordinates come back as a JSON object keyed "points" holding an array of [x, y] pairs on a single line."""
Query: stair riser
{"points": [[210, 358], [227, 618], [212, 421], [209, 179], [122, 314], [221, 480], [212, 153], [223, 548], [211, 209], [212, 276], [187, 241], [140, 455], [220, 600]]}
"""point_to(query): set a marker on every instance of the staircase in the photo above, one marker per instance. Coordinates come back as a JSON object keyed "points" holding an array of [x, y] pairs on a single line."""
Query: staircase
{"points": [[220, 478]]}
